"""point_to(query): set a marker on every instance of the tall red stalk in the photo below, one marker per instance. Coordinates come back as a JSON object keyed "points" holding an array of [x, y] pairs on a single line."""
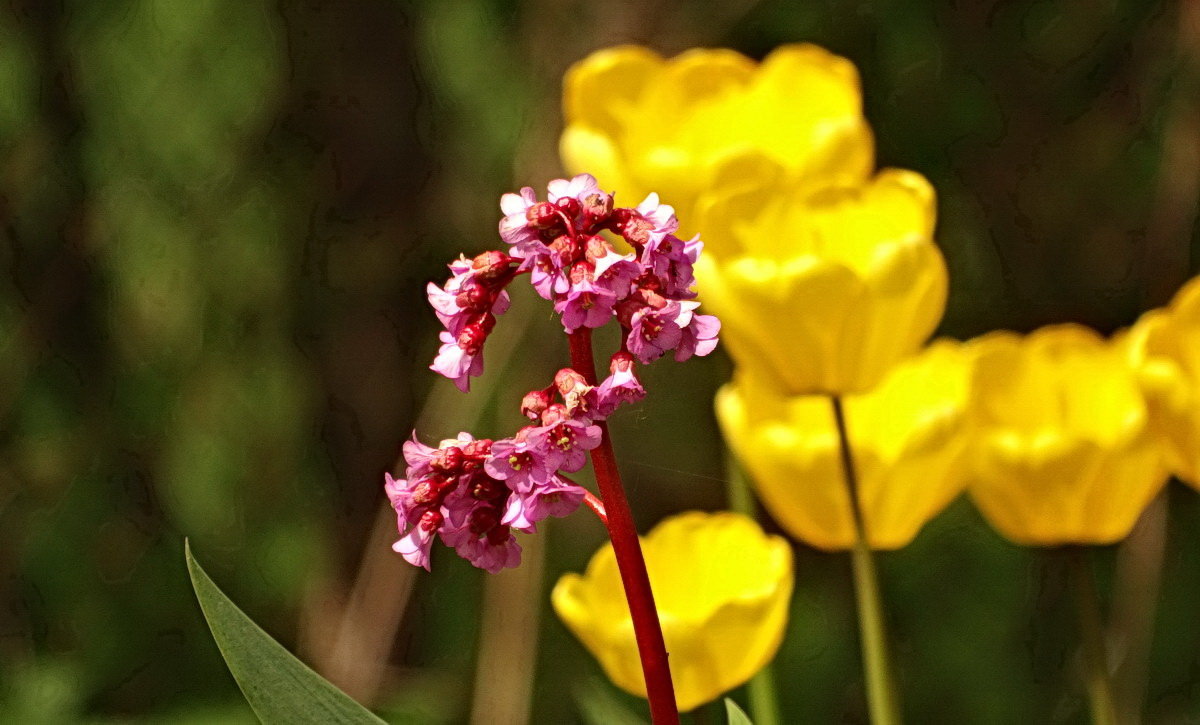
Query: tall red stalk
{"points": [[630, 562]]}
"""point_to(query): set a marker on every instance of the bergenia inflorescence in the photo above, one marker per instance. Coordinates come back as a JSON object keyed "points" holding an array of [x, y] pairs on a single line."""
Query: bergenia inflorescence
{"points": [[475, 493]]}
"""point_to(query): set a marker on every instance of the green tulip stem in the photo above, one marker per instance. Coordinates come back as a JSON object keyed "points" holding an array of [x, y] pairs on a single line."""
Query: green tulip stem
{"points": [[1091, 632], [764, 699], [881, 693]]}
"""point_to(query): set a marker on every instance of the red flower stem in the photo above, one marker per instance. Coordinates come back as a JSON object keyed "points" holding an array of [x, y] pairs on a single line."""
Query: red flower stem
{"points": [[621, 530], [597, 506]]}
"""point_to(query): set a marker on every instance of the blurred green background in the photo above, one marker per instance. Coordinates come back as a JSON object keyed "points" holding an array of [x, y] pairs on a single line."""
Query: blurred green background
{"points": [[218, 218]]}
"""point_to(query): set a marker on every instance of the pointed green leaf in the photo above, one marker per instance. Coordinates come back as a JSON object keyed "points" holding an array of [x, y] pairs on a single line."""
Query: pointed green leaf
{"points": [[279, 687], [736, 715]]}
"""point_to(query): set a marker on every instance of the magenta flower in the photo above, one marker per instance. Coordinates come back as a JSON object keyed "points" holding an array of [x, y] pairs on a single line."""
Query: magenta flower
{"points": [[498, 550], [474, 494], [418, 455], [585, 305], [619, 388], [515, 227], [414, 546], [565, 442], [671, 260], [397, 493], [653, 331], [557, 498], [520, 464], [482, 540], [699, 332], [462, 301], [661, 216], [580, 188], [546, 276], [456, 363]]}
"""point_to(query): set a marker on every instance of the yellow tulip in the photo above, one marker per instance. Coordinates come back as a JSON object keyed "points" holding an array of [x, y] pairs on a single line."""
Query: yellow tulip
{"points": [[1063, 451], [722, 589], [823, 292], [1165, 347], [679, 127], [907, 438]]}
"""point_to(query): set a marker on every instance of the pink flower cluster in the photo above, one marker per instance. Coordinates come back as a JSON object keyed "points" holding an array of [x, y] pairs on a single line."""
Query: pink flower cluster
{"points": [[559, 243], [474, 493], [467, 306]]}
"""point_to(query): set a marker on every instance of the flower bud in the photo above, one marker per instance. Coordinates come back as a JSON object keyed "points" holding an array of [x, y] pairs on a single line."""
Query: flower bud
{"points": [[542, 215], [570, 206], [565, 249], [448, 460], [618, 219], [574, 389], [620, 362], [598, 206], [472, 337], [567, 380], [477, 448], [535, 403], [556, 413], [431, 520], [636, 230], [487, 322], [491, 265], [581, 272], [475, 298], [596, 248], [427, 491]]}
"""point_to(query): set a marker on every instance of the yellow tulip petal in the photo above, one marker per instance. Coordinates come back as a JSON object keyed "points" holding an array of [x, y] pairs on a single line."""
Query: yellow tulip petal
{"points": [[1164, 349], [722, 588], [679, 127], [1064, 453], [601, 89], [907, 436], [702, 73]]}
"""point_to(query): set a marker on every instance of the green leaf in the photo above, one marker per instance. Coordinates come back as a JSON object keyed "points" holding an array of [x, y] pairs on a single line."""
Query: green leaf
{"points": [[599, 705], [736, 715], [279, 687]]}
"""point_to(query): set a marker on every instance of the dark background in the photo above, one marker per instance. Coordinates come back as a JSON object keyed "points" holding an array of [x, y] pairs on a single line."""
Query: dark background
{"points": [[218, 218]]}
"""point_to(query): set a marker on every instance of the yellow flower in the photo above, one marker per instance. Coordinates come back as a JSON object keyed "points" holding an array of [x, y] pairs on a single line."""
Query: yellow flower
{"points": [[823, 292], [907, 438], [680, 127], [1064, 453], [722, 589], [1165, 347]]}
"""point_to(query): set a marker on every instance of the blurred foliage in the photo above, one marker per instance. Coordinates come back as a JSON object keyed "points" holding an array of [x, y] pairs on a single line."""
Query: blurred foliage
{"points": [[217, 221]]}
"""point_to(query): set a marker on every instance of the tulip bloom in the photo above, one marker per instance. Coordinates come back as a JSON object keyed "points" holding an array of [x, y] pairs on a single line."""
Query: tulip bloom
{"points": [[708, 118], [1064, 452], [722, 589], [907, 437], [1165, 347], [823, 292]]}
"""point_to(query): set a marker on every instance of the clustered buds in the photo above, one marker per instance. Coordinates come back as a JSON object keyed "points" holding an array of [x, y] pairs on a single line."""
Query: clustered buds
{"points": [[560, 244], [467, 306], [474, 493]]}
